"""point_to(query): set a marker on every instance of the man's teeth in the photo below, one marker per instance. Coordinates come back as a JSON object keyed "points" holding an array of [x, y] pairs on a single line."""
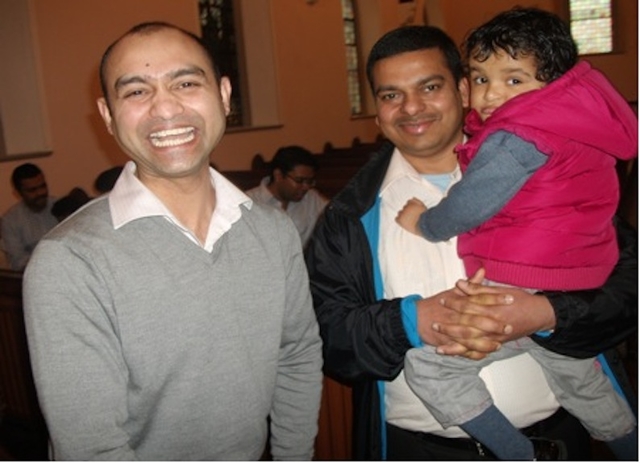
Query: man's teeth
{"points": [[172, 137]]}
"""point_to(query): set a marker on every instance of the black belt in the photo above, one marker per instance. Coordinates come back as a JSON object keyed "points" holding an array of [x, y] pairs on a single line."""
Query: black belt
{"points": [[467, 443]]}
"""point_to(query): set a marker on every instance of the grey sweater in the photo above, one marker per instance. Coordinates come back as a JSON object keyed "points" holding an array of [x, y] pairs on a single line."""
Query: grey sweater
{"points": [[145, 346]]}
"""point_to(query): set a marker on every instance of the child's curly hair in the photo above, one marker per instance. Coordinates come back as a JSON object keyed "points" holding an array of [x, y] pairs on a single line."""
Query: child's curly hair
{"points": [[526, 32]]}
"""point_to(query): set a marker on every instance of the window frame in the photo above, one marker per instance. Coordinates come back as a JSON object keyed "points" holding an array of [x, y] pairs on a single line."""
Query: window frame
{"points": [[615, 40], [257, 80]]}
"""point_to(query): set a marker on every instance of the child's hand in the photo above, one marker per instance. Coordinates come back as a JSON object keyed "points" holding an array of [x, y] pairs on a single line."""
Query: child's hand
{"points": [[409, 215]]}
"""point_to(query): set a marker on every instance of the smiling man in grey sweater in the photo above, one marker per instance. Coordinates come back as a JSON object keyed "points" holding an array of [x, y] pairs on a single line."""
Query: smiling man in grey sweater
{"points": [[171, 319]]}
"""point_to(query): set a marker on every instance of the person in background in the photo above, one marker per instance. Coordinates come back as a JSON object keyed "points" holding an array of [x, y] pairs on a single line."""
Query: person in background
{"points": [[70, 203], [106, 180], [27, 221], [527, 90], [379, 291], [290, 187], [153, 332]]}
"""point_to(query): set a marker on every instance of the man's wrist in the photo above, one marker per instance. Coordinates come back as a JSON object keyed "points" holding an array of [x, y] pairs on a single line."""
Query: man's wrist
{"points": [[552, 308]]}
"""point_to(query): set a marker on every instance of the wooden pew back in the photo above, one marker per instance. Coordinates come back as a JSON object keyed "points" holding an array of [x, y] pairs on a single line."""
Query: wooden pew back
{"points": [[23, 429], [336, 166]]}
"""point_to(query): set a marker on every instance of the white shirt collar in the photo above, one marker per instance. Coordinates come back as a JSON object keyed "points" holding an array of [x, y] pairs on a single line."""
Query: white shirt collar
{"points": [[400, 168], [130, 200]]}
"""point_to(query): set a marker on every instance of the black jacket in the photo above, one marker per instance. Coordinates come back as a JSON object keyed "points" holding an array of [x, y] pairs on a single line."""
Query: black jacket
{"points": [[364, 338]]}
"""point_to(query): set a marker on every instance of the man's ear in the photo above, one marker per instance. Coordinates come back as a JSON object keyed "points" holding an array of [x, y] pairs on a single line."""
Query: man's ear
{"points": [[463, 88], [225, 93], [103, 107], [278, 174]]}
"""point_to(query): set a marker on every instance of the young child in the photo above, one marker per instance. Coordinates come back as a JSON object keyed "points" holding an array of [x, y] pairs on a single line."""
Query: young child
{"points": [[534, 208]]}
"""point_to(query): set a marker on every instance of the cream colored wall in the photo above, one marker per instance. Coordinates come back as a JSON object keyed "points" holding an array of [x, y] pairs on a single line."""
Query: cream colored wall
{"points": [[310, 69], [73, 34], [311, 73]]}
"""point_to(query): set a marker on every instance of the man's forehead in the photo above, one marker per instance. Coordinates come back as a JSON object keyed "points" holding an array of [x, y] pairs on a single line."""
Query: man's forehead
{"points": [[412, 67], [303, 170], [143, 37], [141, 53], [32, 182], [426, 58]]}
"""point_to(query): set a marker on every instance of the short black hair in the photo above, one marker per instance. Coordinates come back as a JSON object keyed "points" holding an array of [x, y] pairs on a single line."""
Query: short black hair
{"points": [[526, 32], [23, 172], [149, 28], [288, 157], [414, 38], [67, 205], [106, 180]]}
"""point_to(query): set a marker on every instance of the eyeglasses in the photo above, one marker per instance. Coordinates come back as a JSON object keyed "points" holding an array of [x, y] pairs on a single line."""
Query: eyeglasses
{"points": [[311, 182]]}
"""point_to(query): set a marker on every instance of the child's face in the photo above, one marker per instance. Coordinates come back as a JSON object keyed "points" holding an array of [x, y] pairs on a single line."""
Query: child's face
{"points": [[496, 80]]}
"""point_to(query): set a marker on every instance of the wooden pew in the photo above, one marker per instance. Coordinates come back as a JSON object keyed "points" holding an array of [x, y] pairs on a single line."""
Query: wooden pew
{"points": [[336, 166], [23, 431], [335, 422], [245, 179]]}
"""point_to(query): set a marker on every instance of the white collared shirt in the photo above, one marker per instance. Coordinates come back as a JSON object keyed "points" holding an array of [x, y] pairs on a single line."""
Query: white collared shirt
{"points": [[130, 199], [412, 265]]}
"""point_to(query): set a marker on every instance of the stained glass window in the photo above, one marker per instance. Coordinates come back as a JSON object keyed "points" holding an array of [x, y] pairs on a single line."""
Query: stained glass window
{"points": [[591, 26], [351, 44]]}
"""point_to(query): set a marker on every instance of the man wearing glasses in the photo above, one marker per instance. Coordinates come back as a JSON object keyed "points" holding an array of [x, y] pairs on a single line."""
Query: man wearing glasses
{"points": [[290, 187]]}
